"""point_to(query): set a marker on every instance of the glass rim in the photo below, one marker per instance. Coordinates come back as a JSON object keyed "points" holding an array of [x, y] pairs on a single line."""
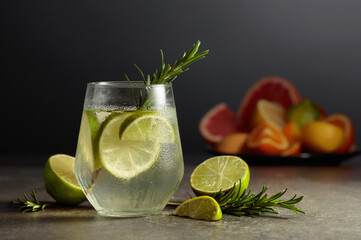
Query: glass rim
{"points": [[125, 84]]}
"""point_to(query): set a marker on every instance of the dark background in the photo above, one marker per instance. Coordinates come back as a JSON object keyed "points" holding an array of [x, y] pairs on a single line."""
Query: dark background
{"points": [[51, 49]]}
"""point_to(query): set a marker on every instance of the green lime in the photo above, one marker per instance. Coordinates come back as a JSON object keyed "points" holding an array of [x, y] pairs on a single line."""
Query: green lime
{"points": [[92, 122], [147, 126], [60, 181], [219, 173], [204, 207], [88, 130], [303, 113], [130, 144]]}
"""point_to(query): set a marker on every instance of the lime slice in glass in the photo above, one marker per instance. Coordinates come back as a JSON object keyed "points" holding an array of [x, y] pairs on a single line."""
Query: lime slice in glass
{"points": [[88, 130], [147, 126], [60, 181], [129, 146], [92, 122], [219, 173], [204, 207]]}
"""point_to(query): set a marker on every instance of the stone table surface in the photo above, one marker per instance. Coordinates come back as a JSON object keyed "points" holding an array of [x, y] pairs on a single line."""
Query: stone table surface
{"points": [[332, 200]]}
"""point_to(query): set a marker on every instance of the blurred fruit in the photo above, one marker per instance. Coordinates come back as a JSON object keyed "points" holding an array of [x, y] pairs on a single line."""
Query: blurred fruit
{"points": [[217, 123], [233, 144], [292, 131], [322, 137], [294, 149], [323, 112], [345, 123], [303, 113], [273, 88], [269, 112], [266, 139]]}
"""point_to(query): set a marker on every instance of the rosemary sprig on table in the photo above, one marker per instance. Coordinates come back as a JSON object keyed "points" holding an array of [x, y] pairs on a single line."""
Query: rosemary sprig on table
{"points": [[28, 205], [167, 73], [239, 203]]}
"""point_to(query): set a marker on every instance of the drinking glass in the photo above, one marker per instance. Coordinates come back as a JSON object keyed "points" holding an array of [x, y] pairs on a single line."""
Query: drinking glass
{"points": [[129, 159]]}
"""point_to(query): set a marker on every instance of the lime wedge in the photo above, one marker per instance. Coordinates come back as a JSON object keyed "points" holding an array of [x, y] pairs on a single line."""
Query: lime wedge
{"points": [[147, 126], [60, 181], [219, 173], [88, 129], [92, 122], [204, 207], [130, 144]]}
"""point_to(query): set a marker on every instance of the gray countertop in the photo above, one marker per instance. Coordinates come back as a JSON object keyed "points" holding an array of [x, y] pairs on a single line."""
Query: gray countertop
{"points": [[332, 199]]}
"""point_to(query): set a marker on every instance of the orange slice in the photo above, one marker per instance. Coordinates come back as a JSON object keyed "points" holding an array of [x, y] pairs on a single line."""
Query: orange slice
{"points": [[266, 139], [233, 144], [292, 131], [345, 123], [293, 150]]}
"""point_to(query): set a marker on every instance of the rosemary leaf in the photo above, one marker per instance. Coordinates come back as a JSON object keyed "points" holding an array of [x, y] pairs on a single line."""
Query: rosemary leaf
{"points": [[167, 73], [237, 203], [28, 205]]}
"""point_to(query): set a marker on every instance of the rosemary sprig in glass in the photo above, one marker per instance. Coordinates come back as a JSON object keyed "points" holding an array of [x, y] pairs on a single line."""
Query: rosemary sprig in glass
{"points": [[167, 73], [28, 205], [240, 203]]}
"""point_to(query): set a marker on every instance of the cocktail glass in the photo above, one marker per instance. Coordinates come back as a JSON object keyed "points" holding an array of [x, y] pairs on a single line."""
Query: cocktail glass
{"points": [[129, 159]]}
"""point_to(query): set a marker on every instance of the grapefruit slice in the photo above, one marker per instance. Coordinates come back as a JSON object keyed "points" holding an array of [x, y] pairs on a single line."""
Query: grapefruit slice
{"points": [[344, 122], [217, 123], [273, 88]]}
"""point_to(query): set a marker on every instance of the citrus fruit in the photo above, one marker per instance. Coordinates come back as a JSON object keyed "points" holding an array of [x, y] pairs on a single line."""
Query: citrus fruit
{"points": [[268, 140], [60, 181], [273, 88], [292, 131], [323, 112], [345, 123], [303, 113], [294, 149], [217, 123], [219, 173], [129, 144], [204, 207], [269, 112], [88, 129], [147, 126], [92, 122], [232, 144], [322, 137]]}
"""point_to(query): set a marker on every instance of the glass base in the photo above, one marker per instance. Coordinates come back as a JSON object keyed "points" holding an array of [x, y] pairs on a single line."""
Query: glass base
{"points": [[127, 214]]}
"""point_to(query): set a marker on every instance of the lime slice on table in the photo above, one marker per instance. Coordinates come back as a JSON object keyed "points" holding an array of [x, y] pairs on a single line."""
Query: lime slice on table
{"points": [[60, 181], [219, 173], [203, 207], [131, 145]]}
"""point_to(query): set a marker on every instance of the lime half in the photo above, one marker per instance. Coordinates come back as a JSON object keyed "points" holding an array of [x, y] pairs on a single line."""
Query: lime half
{"points": [[204, 207], [219, 173], [60, 181], [131, 145]]}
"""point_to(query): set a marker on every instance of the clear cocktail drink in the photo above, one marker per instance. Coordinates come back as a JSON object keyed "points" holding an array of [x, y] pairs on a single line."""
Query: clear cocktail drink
{"points": [[129, 159]]}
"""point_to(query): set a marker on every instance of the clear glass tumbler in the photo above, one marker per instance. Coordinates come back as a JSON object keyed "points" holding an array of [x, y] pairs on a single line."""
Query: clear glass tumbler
{"points": [[129, 159]]}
